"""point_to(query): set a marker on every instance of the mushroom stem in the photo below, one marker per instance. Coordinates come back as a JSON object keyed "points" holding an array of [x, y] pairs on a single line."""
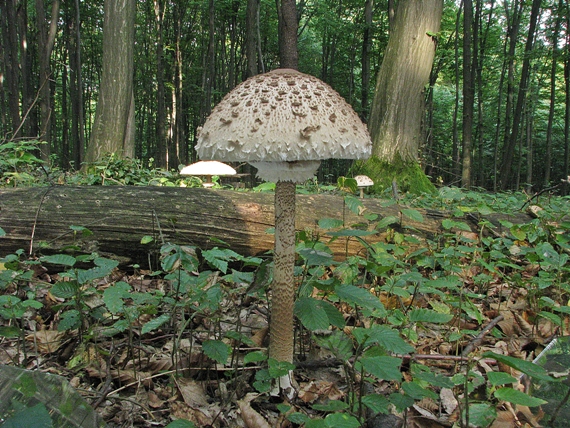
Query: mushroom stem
{"points": [[283, 286]]}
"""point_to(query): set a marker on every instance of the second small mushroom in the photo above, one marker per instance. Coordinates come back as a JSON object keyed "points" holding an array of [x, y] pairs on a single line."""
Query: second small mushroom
{"points": [[363, 182], [283, 123], [207, 169]]}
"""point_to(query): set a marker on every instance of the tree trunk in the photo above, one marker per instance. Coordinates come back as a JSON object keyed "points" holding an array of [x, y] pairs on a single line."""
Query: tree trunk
{"points": [[73, 44], [119, 216], [398, 106], [12, 78], [468, 93], [162, 155], [113, 129], [209, 64], [29, 117], [509, 149], [251, 12], [366, 48], [455, 153], [553, 89], [288, 25], [46, 39], [179, 136], [566, 162]]}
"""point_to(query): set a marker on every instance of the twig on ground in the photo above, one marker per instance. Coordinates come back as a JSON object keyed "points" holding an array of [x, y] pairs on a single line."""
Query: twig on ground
{"points": [[479, 338]]}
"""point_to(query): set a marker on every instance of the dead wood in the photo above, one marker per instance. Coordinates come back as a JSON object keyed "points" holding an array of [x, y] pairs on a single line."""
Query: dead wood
{"points": [[38, 220]]}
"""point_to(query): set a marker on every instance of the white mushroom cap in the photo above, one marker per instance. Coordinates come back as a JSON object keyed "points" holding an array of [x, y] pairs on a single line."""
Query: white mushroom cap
{"points": [[363, 181], [277, 121], [208, 168]]}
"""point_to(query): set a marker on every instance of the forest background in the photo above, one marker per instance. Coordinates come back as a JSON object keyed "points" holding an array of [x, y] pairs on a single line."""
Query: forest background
{"points": [[188, 54]]}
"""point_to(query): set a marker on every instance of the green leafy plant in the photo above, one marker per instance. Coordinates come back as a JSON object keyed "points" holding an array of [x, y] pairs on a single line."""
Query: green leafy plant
{"points": [[18, 164], [77, 289]]}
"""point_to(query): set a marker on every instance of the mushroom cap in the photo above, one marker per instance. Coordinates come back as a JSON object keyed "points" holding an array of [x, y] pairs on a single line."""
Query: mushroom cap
{"points": [[208, 168], [363, 181], [281, 117]]}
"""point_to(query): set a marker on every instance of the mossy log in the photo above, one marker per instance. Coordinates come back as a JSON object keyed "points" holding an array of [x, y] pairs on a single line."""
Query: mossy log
{"points": [[39, 220]]}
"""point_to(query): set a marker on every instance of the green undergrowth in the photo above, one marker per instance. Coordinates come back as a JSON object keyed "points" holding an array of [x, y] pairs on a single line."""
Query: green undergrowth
{"points": [[371, 312]]}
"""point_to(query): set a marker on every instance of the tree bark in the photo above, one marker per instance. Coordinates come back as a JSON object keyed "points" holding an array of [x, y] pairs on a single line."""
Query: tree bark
{"points": [[509, 150], [553, 90], [179, 135], [161, 155], [113, 129], [119, 216], [251, 12], [46, 39], [468, 93], [78, 120], [366, 49], [12, 78], [398, 105], [288, 25]]}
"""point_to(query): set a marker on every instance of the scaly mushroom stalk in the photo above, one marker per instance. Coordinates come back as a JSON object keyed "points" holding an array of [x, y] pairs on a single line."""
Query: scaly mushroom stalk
{"points": [[281, 340]]}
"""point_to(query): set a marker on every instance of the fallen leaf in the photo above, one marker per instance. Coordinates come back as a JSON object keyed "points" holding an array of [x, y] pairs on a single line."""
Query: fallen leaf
{"points": [[448, 400], [192, 393], [47, 341], [250, 416]]}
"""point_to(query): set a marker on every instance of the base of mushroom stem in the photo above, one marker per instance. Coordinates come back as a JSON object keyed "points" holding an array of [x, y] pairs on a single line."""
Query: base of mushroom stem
{"points": [[284, 385]]}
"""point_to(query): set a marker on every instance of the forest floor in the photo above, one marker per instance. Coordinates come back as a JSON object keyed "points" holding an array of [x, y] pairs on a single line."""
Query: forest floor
{"points": [[410, 333], [135, 380]]}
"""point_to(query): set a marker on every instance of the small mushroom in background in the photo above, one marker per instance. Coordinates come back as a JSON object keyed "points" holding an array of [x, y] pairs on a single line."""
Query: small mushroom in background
{"points": [[283, 123], [363, 182], [207, 169]]}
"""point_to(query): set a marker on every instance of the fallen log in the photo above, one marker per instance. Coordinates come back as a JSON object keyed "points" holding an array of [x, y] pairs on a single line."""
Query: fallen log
{"points": [[39, 219]]}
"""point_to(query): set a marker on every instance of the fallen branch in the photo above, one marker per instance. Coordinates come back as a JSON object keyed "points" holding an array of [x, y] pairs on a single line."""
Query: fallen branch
{"points": [[477, 340]]}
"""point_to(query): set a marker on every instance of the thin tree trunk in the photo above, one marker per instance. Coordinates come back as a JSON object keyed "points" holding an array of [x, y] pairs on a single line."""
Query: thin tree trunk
{"points": [[209, 63], [46, 38], [551, 109], [288, 25], [468, 93], [65, 152], [529, 145], [232, 67], [179, 135], [366, 48], [161, 154], [251, 14], [26, 86], [76, 88], [566, 161], [483, 173], [513, 24], [509, 150], [12, 77], [455, 153]]}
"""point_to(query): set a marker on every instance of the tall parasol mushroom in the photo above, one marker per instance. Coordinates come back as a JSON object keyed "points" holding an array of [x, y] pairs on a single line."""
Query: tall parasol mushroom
{"points": [[283, 123]]}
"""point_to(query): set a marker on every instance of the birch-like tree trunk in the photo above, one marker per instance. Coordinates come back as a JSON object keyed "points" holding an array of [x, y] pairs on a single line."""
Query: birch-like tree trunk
{"points": [[113, 129]]}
